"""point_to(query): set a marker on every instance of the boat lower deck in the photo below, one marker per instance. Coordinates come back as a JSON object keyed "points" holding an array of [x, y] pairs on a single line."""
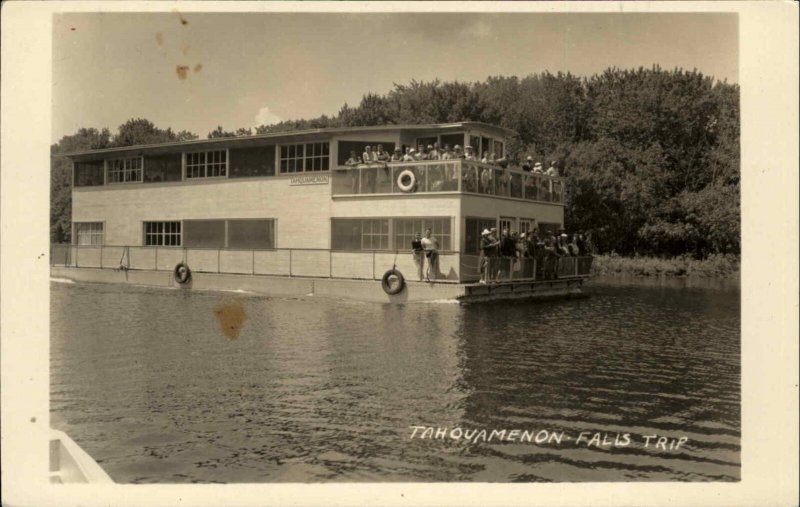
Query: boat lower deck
{"points": [[353, 289]]}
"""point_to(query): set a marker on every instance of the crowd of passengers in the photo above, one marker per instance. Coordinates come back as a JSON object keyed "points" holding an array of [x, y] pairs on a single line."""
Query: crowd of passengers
{"points": [[434, 152], [500, 256]]}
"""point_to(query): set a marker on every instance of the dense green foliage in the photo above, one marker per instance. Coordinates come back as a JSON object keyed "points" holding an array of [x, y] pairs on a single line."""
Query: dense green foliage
{"points": [[651, 156]]}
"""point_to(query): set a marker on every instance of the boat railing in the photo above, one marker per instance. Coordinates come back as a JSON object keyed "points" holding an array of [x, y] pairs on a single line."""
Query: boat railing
{"points": [[505, 269], [453, 267], [290, 262], [452, 176]]}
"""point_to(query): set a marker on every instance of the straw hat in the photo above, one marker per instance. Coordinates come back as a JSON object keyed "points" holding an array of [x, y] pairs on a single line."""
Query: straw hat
{"points": [[485, 232]]}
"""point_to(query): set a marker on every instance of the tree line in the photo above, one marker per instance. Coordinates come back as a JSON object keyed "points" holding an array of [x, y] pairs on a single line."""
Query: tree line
{"points": [[650, 156]]}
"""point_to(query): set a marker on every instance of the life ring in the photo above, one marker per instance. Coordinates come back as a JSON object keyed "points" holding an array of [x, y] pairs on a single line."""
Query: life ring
{"points": [[387, 285], [182, 273], [407, 180]]}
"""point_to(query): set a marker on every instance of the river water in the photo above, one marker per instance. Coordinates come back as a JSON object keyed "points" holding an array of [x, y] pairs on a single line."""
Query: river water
{"points": [[314, 390]]}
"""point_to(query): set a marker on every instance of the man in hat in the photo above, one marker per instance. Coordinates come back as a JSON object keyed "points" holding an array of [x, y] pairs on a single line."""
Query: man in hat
{"points": [[409, 156], [397, 156], [469, 153], [537, 168], [527, 166], [489, 246], [552, 171], [458, 152]]}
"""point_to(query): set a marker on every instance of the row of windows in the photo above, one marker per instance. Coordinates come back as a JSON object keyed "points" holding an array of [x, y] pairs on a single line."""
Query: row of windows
{"points": [[235, 163], [246, 234], [346, 233], [355, 234], [350, 234]]}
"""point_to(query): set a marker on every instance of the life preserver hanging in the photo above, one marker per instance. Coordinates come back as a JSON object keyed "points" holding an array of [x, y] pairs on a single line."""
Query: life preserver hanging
{"points": [[182, 273], [407, 181], [396, 287]]}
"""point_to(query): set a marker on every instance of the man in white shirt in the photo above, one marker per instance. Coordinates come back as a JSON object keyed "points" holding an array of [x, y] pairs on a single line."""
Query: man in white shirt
{"points": [[431, 246], [552, 171]]}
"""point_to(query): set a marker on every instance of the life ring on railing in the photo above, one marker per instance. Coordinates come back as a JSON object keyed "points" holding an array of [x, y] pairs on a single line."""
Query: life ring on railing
{"points": [[406, 181], [182, 273], [388, 286]]}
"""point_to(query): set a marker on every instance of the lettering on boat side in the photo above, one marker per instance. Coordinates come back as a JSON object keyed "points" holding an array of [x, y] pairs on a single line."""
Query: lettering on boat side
{"points": [[586, 439], [315, 179]]}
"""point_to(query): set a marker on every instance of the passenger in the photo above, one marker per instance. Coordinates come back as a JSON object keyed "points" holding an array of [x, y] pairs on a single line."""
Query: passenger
{"points": [[552, 171], [447, 154], [508, 251], [486, 181], [574, 250], [419, 253], [469, 153], [431, 246], [368, 156], [550, 257], [537, 168], [380, 155], [436, 152], [420, 154], [410, 155], [353, 160], [458, 152], [397, 156], [488, 251], [527, 166], [490, 247], [562, 245]]}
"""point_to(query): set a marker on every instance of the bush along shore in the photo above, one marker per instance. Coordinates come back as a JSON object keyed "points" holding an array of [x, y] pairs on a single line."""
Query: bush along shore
{"points": [[715, 265]]}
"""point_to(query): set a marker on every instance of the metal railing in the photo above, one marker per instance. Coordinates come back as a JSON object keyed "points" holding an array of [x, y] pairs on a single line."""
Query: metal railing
{"points": [[453, 267], [504, 269], [290, 262], [457, 176]]}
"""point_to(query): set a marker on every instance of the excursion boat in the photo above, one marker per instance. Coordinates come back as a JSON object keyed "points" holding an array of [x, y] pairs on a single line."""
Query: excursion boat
{"points": [[71, 464], [283, 214]]}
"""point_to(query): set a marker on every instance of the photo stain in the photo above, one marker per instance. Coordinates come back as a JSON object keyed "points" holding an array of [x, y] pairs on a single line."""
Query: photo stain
{"points": [[183, 20], [198, 67], [185, 49], [73, 28], [231, 317], [159, 38], [182, 71]]}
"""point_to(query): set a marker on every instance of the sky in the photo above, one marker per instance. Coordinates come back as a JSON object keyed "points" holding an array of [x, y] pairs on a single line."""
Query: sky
{"points": [[195, 71]]}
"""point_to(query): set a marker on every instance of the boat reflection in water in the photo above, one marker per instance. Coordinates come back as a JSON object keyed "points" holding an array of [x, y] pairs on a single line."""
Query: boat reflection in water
{"points": [[314, 389]]}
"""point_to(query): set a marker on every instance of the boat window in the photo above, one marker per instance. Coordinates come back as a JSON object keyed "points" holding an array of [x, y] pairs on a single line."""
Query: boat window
{"points": [[162, 168], [207, 164], [89, 173], [452, 140], [427, 141], [204, 233], [486, 146], [406, 228], [88, 233], [256, 234], [475, 142], [345, 147], [124, 170], [297, 158], [472, 236], [162, 234], [360, 234], [498, 149], [346, 234], [250, 162]]}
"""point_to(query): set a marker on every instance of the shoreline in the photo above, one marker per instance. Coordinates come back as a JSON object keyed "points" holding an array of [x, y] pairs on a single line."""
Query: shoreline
{"points": [[715, 266]]}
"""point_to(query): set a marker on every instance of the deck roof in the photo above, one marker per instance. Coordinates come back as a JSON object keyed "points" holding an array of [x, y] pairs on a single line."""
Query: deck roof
{"points": [[254, 139]]}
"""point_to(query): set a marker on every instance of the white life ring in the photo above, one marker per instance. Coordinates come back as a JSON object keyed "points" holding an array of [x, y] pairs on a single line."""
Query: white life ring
{"points": [[406, 181]]}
